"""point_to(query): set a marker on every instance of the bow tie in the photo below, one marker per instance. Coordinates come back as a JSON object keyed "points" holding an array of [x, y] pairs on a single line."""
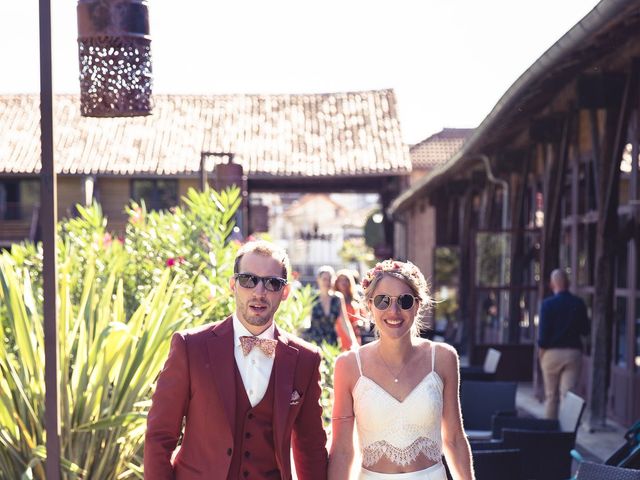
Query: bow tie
{"points": [[267, 346]]}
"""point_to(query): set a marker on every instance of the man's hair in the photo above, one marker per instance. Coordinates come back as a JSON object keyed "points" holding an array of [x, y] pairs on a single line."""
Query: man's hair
{"points": [[268, 249], [560, 278]]}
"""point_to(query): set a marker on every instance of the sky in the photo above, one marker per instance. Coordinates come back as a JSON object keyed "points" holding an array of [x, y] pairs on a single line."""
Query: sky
{"points": [[448, 61]]}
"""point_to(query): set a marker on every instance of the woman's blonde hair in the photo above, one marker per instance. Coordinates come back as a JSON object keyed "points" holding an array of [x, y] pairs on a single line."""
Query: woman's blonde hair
{"points": [[409, 274]]}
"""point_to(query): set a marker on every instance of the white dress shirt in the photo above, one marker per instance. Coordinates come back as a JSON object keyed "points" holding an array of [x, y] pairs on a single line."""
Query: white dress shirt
{"points": [[255, 368]]}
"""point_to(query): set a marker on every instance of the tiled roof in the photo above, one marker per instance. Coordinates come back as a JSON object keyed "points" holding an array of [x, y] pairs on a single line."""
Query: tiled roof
{"points": [[438, 148], [341, 134]]}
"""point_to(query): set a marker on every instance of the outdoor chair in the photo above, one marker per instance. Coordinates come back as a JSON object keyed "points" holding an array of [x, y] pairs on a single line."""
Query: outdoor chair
{"points": [[596, 471], [569, 416], [485, 372], [544, 455], [545, 445], [499, 464], [480, 401]]}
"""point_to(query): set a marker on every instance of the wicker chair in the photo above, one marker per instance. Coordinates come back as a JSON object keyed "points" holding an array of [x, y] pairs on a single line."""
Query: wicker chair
{"points": [[596, 471], [545, 445], [570, 414], [504, 464], [480, 401]]}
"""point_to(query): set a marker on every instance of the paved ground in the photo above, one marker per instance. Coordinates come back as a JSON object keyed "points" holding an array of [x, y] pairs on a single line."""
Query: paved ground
{"points": [[596, 446]]}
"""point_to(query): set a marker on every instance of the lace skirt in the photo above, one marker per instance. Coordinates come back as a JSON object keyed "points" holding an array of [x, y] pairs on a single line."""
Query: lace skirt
{"points": [[434, 472]]}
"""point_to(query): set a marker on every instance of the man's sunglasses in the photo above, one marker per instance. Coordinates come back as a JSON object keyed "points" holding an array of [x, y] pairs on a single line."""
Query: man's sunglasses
{"points": [[249, 280], [404, 301]]}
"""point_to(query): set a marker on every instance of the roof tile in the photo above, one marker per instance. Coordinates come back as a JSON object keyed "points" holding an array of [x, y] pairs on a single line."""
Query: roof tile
{"points": [[438, 148], [342, 134]]}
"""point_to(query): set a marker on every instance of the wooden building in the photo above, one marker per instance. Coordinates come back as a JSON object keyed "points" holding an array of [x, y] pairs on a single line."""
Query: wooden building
{"points": [[332, 142], [551, 179], [412, 240]]}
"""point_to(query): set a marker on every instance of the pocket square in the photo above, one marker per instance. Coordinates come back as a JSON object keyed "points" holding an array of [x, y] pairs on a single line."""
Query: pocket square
{"points": [[295, 398]]}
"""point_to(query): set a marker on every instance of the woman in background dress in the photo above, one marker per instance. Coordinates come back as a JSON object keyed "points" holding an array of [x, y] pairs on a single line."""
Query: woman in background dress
{"points": [[328, 312]]}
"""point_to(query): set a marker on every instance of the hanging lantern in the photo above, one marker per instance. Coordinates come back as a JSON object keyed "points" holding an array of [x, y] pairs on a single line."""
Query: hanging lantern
{"points": [[115, 58]]}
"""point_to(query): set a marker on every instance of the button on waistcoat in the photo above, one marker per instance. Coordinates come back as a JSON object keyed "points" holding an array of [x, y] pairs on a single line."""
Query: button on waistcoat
{"points": [[253, 444]]}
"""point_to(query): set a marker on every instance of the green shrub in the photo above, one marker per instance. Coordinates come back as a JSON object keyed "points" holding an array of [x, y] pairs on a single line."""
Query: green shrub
{"points": [[119, 302]]}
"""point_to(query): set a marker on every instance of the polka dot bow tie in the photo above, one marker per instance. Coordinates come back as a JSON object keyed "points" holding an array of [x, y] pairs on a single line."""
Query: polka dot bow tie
{"points": [[267, 346]]}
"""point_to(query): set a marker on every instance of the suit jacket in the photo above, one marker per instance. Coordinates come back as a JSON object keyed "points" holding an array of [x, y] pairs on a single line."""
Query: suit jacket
{"points": [[197, 384]]}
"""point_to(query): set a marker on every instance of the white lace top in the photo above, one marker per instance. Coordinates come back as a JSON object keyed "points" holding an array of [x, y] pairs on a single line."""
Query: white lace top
{"points": [[400, 431]]}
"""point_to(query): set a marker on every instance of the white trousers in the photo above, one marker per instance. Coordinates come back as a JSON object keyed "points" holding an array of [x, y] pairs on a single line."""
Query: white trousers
{"points": [[434, 472]]}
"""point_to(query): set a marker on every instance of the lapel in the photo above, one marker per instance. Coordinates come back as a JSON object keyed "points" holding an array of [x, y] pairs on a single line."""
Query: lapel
{"points": [[285, 367], [221, 356]]}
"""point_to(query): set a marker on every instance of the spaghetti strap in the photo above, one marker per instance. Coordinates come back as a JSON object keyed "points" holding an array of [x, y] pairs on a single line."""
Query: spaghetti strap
{"points": [[433, 357], [358, 360]]}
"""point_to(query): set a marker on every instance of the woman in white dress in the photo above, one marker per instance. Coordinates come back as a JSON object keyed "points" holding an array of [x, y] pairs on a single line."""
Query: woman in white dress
{"points": [[400, 392]]}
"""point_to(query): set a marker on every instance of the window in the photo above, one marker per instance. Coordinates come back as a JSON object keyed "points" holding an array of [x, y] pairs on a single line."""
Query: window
{"points": [[18, 198], [157, 194], [620, 316], [586, 186], [622, 266], [586, 253], [566, 247], [493, 259]]}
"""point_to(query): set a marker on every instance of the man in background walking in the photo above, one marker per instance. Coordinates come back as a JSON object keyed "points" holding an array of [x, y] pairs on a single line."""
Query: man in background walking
{"points": [[563, 320]]}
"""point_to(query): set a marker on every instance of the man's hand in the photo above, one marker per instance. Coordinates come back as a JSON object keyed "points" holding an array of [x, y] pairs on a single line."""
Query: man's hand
{"points": [[541, 352]]}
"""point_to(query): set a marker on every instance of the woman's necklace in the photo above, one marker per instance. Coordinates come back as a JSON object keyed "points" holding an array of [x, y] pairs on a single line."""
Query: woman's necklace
{"points": [[395, 377]]}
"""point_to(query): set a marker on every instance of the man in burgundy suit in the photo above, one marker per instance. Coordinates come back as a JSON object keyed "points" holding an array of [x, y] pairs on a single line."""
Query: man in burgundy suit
{"points": [[245, 391]]}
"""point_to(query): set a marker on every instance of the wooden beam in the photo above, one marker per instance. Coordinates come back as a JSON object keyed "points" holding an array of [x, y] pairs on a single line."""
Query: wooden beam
{"points": [[596, 151], [547, 129], [307, 184], [600, 90]]}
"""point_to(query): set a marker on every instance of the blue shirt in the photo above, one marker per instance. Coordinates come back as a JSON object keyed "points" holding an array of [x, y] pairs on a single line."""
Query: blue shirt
{"points": [[563, 319]]}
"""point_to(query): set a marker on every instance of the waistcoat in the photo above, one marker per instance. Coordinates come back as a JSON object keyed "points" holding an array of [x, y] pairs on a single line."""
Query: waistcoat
{"points": [[253, 442]]}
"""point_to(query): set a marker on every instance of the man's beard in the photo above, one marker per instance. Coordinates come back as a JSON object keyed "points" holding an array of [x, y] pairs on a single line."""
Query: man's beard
{"points": [[258, 319]]}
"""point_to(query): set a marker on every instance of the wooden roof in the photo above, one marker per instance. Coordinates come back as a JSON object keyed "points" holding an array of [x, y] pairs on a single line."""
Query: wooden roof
{"points": [[602, 33], [278, 136]]}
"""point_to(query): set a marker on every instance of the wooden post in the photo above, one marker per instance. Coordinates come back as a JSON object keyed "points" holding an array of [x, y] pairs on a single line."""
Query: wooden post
{"points": [[466, 308], [518, 192], [49, 275], [553, 187], [606, 241]]}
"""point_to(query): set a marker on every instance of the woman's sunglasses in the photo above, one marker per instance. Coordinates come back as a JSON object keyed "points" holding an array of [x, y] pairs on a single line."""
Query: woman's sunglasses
{"points": [[249, 280], [404, 301]]}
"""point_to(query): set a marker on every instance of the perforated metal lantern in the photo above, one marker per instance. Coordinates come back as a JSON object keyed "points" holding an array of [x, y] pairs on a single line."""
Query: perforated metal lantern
{"points": [[115, 58]]}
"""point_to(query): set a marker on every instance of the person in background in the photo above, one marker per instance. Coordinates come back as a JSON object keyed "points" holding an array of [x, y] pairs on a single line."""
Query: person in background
{"points": [[346, 285], [328, 312], [296, 284], [563, 320]]}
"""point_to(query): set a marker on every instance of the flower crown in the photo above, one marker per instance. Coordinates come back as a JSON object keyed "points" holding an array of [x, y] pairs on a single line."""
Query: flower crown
{"points": [[406, 269]]}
